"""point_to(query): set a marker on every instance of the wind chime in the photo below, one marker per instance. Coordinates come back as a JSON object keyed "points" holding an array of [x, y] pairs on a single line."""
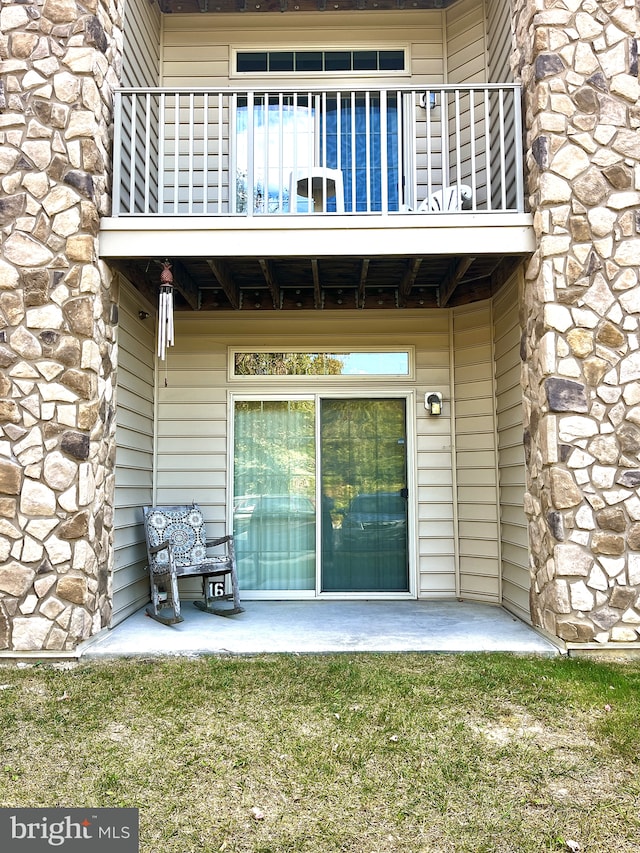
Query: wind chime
{"points": [[165, 310]]}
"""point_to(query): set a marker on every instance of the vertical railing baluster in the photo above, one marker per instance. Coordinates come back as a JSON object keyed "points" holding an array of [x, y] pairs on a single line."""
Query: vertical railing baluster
{"points": [[353, 177], [323, 156], [384, 175], [280, 152], [220, 154], [147, 149], [312, 154], [161, 151], [205, 153], [487, 137], [176, 153], [190, 137], [472, 137], [250, 154], [503, 164], [338, 131], [265, 154], [444, 132], [430, 143], [117, 155], [368, 141], [458, 132], [134, 153], [399, 149], [518, 165], [293, 206], [219, 114]]}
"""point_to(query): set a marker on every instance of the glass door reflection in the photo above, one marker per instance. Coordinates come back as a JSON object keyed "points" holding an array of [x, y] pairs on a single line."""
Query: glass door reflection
{"points": [[364, 495]]}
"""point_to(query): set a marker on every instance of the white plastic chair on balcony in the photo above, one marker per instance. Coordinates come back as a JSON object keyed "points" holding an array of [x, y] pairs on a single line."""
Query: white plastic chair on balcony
{"points": [[447, 199], [325, 184]]}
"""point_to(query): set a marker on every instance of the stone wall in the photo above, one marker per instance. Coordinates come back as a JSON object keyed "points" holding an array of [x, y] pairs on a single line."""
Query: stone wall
{"points": [[59, 62], [578, 62]]}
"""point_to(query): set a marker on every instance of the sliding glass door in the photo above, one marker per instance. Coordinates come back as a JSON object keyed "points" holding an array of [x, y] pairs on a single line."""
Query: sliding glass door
{"points": [[274, 515], [356, 522], [364, 495]]}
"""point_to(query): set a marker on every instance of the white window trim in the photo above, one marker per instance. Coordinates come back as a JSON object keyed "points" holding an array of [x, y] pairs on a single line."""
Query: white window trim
{"points": [[316, 75], [347, 379], [413, 567]]}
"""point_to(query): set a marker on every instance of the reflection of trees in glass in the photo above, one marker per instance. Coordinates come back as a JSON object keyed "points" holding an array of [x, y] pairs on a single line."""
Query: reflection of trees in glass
{"points": [[286, 364], [261, 204], [363, 449], [274, 448]]}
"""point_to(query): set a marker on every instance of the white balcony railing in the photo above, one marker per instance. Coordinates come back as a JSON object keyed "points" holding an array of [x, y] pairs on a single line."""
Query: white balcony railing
{"points": [[228, 152]]}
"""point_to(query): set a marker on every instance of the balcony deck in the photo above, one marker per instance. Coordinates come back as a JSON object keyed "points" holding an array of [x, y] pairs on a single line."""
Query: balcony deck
{"points": [[326, 198]]}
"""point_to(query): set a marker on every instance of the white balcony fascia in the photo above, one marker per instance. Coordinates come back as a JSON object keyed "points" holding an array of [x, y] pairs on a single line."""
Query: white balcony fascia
{"points": [[304, 236]]}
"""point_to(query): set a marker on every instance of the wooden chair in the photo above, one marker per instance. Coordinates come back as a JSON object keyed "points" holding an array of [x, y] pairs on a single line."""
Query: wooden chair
{"points": [[177, 548]]}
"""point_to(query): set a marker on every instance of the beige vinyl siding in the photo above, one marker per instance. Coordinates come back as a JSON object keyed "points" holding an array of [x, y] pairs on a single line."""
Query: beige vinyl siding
{"points": [[197, 49], [466, 63], [142, 38], [134, 457], [465, 30], [140, 67], [195, 405], [435, 508], [513, 531], [191, 438], [499, 40], [476, 469]]}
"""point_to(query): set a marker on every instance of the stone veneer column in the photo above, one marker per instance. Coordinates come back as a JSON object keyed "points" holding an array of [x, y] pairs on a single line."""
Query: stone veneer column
{"points": [[59, 62], [577, 60]]}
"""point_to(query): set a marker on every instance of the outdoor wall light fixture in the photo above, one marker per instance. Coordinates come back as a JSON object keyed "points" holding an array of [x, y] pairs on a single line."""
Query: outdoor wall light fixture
{"points": [[429, 97], [433, 402], [143, 315]]}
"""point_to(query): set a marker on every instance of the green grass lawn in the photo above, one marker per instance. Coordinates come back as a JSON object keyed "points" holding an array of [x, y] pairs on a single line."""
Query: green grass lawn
{"points": [[359, 753]]}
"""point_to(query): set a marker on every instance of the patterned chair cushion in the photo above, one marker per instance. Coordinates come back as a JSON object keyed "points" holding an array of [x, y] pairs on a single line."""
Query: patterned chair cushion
{"points": [[184, 527]]}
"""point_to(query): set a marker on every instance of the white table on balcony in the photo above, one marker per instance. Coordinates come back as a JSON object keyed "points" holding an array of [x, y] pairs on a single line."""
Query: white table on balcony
{"points": [[324, 183]]}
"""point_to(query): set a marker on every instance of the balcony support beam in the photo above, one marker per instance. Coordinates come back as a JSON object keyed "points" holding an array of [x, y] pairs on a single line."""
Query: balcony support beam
{"points": [[362, 284], [185, 285], [225, 280], [457, 269], [272, 283], [317, 288], [408, 280]]}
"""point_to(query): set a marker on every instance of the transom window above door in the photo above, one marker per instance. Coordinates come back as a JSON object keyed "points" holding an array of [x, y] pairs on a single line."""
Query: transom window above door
{"points": [[363, 364], [319, 61]]}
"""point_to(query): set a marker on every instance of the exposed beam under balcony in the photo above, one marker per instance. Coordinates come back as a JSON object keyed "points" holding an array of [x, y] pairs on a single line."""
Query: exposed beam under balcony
{"points": [[169, 7], [285, 283]]}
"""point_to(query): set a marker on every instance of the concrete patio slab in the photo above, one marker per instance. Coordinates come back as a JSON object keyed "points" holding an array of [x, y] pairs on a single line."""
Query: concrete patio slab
{"points": [[305, 627]]}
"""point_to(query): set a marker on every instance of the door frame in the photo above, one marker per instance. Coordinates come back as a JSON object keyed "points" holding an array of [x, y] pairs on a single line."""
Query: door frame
{"points": [[409, 396]]}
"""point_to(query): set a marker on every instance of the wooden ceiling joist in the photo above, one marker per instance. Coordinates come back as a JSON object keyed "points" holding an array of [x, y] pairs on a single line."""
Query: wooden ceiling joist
{"points": [[362, 284], [317, 288], [408, 280], [185, 285], [223, 274], [270, 277], [503, 272], [456, 271]]}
